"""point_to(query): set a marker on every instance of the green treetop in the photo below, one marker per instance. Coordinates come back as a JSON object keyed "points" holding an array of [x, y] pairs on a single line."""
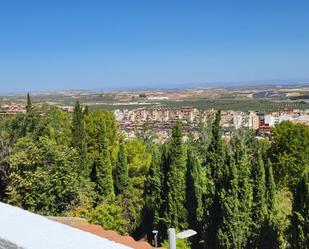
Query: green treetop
{"points": [[175, 213], [215, 168], [300, 218], [230, 234], [78, 131], [102, 176], [194, 193], [29, 103], [244, 184], [122, 174], [259, 191], [215, 158], [152, 193], [270, 187], [126, 194], [259, 208], [290, 152]]}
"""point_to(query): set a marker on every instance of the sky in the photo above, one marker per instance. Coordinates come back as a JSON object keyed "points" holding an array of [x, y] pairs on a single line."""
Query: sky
{"points": [[91, 44]]}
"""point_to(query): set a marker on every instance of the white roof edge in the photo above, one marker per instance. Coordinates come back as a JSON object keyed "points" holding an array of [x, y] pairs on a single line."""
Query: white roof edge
{"points": [[26, 230]]}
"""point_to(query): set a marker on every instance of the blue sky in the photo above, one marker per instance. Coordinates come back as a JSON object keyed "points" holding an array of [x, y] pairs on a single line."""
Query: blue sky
{"points": [[63, 44]]}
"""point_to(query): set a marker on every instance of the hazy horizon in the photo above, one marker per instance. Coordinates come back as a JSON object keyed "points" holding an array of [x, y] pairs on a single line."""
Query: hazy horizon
{"points": [[226, 85]]}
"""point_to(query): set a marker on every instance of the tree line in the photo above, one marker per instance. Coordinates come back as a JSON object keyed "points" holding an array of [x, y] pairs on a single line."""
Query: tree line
{"points": [[238, 193]]}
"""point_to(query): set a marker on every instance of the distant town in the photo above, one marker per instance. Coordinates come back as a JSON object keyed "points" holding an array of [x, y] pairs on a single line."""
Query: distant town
{"points": [[159, 120]]}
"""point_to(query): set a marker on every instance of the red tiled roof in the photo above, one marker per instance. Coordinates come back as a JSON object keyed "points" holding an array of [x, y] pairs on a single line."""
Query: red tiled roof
{"points": [[82, 224]]}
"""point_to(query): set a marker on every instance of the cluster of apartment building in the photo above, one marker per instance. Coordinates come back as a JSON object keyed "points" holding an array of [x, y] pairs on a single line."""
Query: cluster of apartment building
{"points": [[161, 120], [12, 109], [267, 121]]}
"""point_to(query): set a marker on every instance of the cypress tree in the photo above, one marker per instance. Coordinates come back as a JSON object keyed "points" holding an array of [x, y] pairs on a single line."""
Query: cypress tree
{"points": [[29, 103], [102, 170], [175, 213], [269, 234], [244, 186], [259, 191], [102, 176], [229, 235], [270, 187], [124, 189], [122, 175], [30, 120], [165, 168], [194, 195], [259, 209], [152, 194], [215, 167], [79, 133], [216, 153], [300, 215]]}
